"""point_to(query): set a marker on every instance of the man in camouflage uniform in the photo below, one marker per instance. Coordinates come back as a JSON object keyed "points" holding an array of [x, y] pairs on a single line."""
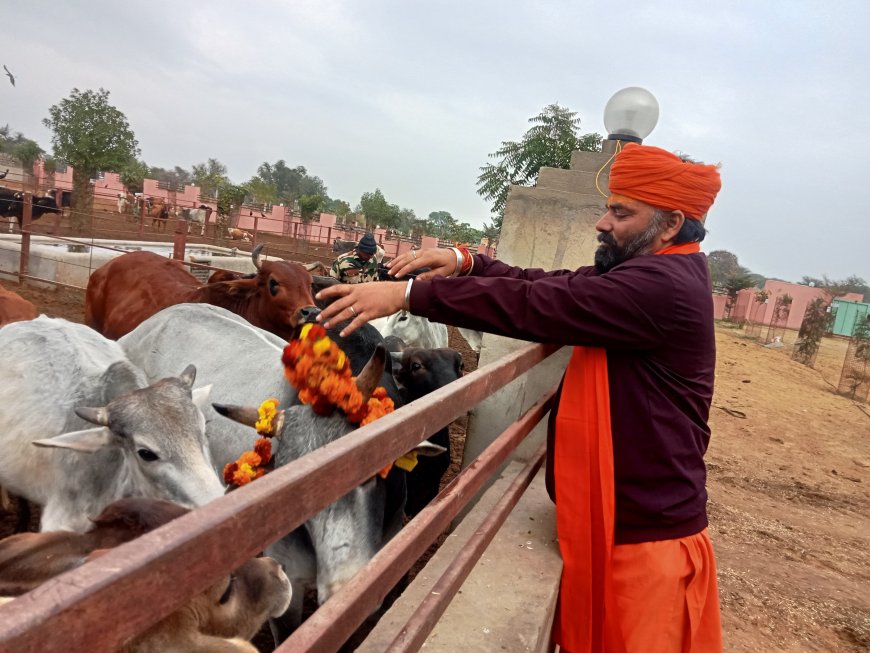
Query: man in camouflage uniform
{"points": [[359, 264]]}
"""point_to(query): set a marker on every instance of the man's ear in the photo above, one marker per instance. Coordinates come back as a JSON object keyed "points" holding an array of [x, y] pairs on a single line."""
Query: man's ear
{"points": [[673, 223]]}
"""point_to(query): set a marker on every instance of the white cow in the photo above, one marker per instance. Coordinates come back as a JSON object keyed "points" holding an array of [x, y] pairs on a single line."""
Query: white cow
{"points": [[199, 216], [413, 330], [60, 379], [345, 535], [472, 337]]}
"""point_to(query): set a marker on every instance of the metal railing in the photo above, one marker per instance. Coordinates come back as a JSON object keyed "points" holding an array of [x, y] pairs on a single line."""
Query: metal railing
{"points": [[104, 603]]}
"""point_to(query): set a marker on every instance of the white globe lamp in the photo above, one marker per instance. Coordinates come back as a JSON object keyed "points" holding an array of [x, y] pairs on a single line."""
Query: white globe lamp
{"points": [[631, 114]]}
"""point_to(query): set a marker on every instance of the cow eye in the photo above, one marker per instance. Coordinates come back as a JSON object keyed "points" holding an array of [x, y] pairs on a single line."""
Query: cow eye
{"points": [[228, 592], [147, 455], [273, 287], [416, 366]]}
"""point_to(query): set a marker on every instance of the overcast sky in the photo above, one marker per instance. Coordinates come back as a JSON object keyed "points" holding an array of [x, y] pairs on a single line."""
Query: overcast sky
{"points": [[410, 97]]}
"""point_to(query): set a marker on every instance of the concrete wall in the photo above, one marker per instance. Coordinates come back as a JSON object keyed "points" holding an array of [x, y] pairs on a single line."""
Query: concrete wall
{"points": [[550, 226]]}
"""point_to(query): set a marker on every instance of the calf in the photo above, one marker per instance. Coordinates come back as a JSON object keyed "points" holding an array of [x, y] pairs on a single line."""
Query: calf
{"points": [[419, 372], [238, 234], [14, 308], [222, 618], [143, 440]]}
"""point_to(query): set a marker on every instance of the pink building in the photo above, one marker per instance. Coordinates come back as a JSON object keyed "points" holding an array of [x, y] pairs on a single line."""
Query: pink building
{"points": [[748, 308]]}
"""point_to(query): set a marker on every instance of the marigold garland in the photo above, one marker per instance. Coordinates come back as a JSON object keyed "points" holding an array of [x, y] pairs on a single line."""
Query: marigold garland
{"points": [[266, 412], [252, 464], [320, 372]]}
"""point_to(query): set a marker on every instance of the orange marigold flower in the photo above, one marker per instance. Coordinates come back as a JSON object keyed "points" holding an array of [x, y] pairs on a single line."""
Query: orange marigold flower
{"points": [[249, 459], [263, 448], [230, 470]]}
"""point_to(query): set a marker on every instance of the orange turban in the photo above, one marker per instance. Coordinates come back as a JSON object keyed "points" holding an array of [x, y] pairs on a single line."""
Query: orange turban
{"points": [[657, 177]]}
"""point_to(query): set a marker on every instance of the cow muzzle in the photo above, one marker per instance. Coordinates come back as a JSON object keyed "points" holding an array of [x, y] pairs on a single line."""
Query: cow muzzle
{"points": [[308, 314]]}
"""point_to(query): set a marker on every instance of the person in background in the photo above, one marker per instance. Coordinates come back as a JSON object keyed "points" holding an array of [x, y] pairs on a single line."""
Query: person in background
{"points": [[358, 265], [627, 438]]}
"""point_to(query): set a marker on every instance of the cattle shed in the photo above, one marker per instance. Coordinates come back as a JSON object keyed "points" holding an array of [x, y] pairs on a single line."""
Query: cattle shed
{"points": [[847, 315]]}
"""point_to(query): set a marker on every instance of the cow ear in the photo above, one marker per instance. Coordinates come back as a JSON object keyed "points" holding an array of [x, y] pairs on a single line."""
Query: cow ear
{"points": [[200, 397], [188, 376], [87, 441], [370, 375]]}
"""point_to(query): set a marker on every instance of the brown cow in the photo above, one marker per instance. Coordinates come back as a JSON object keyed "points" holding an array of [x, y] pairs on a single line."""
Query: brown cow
{"points": [[222, 618], [159, 212], [238, 234], [14, 308], [129, 289]]}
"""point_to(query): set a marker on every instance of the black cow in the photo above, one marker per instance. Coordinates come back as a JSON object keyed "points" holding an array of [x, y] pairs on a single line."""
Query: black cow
{"points": [[12, 206], [419, 372]]}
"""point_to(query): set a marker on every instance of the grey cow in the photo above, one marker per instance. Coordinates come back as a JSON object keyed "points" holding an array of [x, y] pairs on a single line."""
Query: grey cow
{"points": [[60, 379], [244, 365]]}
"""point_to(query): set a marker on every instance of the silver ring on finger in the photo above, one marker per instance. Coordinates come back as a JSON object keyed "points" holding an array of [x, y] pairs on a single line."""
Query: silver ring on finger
{"points": [[414, 254], [352, 312]]}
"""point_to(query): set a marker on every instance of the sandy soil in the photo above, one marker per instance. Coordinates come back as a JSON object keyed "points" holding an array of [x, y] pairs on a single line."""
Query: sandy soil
{"points": [[789, 467]]}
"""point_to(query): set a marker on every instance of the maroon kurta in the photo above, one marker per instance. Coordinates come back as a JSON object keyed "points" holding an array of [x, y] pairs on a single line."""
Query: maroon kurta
{"points": [[654, 315]]}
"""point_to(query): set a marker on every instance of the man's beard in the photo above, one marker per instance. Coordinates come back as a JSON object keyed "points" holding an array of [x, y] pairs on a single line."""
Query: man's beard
{"points": [[609, 254]]}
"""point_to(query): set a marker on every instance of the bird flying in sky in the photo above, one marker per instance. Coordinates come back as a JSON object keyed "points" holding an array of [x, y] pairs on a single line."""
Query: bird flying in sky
{"points": [[9, 75]]}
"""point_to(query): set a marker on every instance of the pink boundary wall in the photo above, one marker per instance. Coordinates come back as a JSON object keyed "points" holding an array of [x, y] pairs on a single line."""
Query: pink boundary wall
{"points": [[279, 220], [801, 297]]}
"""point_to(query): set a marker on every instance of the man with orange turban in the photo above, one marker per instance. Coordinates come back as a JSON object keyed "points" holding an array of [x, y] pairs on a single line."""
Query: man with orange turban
{"points": [[625, 464]]}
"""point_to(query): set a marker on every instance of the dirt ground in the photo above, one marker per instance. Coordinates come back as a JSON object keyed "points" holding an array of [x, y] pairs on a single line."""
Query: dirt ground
{"points": [[789, 469]]}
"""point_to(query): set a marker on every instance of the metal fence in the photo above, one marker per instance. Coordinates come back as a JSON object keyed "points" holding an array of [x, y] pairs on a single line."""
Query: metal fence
{"points": [[102, 604], [283, 236], [855, 375]]}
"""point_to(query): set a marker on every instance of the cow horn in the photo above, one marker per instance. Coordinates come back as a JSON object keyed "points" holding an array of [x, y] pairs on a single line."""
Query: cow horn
{"points": [[255, 255], [248, 415], [99, 416], [370, 375]]}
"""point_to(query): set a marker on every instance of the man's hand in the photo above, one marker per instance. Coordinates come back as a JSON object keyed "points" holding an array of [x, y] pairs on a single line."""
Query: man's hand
{"points": [[442, 263], [360, 302]]}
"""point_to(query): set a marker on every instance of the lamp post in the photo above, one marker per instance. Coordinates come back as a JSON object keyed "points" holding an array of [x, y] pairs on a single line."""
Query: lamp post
{"points": [[629, 116]]}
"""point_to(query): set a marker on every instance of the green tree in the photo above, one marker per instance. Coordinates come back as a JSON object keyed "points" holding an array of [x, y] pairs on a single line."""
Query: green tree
{"points": [[262, 192], [464, 233], [210, 177], [229, 202], [339, 208], [133, 175], [291, 183], [722, 264], [18, 146], [441, 225], [309, 205], [733, 284], [377, 211], [838, 288], [176, 178], [91, 135], [549, 143]]}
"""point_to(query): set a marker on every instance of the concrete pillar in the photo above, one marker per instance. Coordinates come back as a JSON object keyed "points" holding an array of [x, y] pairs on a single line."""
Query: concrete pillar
{"points": [[550, 226]]}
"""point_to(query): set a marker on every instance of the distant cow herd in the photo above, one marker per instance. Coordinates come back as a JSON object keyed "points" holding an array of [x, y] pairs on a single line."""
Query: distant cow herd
{"points": [[158, 391]]}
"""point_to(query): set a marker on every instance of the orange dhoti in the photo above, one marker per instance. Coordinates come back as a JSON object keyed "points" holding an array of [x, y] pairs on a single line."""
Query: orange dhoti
{"points": [[666, 596]]}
